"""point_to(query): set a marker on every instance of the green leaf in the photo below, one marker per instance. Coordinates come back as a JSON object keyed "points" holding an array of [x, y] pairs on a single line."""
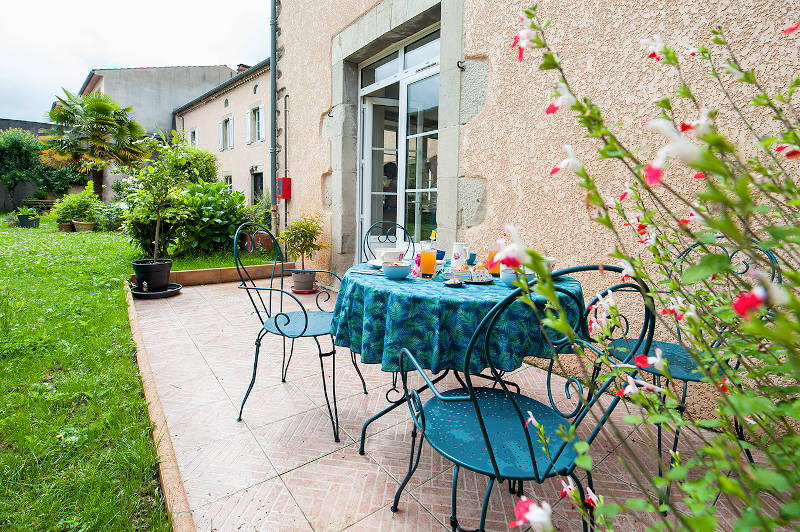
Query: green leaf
{"points": [[706, 267], [639, 504], [549, 62], [584, 461], [581, 447], [664, 103]]}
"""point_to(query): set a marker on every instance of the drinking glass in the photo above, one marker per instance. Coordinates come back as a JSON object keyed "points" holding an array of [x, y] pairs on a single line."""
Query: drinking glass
{"points": [[427, 262]]}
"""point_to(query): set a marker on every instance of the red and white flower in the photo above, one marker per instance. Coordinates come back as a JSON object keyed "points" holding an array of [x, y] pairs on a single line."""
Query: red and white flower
{"points": [[748, 302], [678, 146], [567, 488], [657, 361], [648, 238], [514, 254], [592, 500], [692, 51], [694, 216], [564, 98], [673, 306], [528, 512], [636, 385], [531, 420], [655, 46], [723, 384], [791, 29], [628, 270], [626, 192], [571, 161], [522, 41], [629, 389], [701, 126], [789, 150], [750, 420], [699, 175]]}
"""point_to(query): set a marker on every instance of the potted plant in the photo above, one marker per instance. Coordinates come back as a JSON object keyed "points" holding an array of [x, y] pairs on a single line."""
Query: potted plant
{"points": [[28, 217], [154, 181], [81, 210], [300, 238]]}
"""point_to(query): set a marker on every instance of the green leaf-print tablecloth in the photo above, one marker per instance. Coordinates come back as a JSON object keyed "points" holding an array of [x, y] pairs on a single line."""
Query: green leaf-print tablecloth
{"points": [[376, 317]]}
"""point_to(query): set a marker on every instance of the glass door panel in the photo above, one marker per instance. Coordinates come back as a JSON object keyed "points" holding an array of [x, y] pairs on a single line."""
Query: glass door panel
{"points": [[421, 149]]}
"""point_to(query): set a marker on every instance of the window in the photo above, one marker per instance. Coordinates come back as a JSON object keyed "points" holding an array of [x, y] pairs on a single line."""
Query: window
{"points": [[255, 124], [226, 134], [258, 186], [225, 103], [193, 139], [228, 181]]}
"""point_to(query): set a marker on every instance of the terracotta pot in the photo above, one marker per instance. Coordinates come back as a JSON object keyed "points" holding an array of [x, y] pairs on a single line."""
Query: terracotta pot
{"points": [[263, 242], [303, 281], [66, 228], [83, 226]]}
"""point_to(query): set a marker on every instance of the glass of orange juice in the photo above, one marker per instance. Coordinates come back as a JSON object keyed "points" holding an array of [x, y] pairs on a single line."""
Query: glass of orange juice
{"points": [[496, 268], [427, 261]]}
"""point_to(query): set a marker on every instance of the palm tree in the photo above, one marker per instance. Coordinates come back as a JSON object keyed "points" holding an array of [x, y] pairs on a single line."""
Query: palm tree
{"points": [[90, 132]]}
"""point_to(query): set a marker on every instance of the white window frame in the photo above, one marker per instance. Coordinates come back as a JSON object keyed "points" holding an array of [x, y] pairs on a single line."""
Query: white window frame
{"points": [[226, 131], [254, 124], [403, 76], [196, 140], [228, 180]]}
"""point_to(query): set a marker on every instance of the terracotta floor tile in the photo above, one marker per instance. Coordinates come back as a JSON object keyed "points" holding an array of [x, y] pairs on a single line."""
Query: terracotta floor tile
{"points": [[224, 466], [391, 449], [267, 404], [265, 507], [411, 516], [340, 488], [299, 439]]}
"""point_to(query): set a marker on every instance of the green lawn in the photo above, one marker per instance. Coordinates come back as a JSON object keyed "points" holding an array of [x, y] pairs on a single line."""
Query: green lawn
{"points": [[75, 447]]}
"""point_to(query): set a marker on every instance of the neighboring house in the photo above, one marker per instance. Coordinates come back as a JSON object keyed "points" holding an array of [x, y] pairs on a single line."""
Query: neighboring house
{"points": [[23, 190], [418, 111], [231, 120], [153, 92]]}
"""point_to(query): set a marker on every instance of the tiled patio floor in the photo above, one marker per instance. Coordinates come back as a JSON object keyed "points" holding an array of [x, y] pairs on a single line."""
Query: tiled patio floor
{"points": [[279, 469]]}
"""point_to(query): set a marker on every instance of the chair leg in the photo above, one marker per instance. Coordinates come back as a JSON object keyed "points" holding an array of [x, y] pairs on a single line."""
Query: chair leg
{"points": [[285, 363], [255, 368], [360, 376], [485, 506], [334, 414], [453, 519], [412, 466]]}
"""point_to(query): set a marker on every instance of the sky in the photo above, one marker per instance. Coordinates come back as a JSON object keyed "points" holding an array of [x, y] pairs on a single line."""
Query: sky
{"points": [[49, 44]]}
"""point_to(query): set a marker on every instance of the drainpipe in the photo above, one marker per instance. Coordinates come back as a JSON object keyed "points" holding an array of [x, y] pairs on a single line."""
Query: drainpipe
{"points": [[273, 162]]}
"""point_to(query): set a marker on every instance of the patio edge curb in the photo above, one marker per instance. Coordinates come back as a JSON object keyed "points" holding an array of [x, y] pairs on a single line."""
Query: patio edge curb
{"points": [[169, 473], [219, 275]]}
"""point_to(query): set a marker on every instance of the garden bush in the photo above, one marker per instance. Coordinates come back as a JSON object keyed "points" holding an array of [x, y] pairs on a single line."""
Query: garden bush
{"points": [[111, 216], [84, 206], [207, 215]]}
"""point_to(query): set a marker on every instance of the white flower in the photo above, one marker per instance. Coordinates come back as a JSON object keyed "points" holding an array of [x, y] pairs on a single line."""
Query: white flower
{"points": [[655, 46], [571, 161], [628, 270]]}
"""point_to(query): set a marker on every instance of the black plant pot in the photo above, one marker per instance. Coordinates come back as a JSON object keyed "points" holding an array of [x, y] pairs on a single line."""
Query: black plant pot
{"points": [[28, 220], [155, 274]]}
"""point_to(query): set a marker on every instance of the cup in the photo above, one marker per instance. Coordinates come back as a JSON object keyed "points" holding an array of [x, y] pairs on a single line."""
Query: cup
{"points": [[496, 269], [427, 261], [472, 257], [389, 255]]}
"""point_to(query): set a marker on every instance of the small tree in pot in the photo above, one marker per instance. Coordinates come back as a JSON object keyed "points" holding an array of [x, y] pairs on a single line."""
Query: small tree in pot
{"points": [[300, 239], [154, 181]]}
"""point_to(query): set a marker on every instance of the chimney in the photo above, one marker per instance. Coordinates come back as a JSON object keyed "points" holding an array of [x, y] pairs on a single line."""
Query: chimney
{"points": [[241, 67]]}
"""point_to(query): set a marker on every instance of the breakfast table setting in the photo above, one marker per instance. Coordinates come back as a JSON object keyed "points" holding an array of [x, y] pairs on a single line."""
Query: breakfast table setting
{"points": [[432, 305]]}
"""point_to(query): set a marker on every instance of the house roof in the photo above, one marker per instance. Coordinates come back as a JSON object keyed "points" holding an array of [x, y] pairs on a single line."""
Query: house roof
{"points": [[250, 72], [95, 71]]}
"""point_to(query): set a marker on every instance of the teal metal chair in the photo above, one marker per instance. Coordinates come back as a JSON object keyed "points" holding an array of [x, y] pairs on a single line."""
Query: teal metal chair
{"points": [[484, 428], [383, 234], [284, 315], [682, 365]]}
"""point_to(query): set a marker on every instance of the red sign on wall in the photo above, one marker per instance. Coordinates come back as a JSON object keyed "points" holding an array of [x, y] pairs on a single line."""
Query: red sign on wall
{"points": [[285, 188]]}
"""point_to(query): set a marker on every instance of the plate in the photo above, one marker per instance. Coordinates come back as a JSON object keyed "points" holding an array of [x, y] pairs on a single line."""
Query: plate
{"points": [[490, 281], [375, 263]]}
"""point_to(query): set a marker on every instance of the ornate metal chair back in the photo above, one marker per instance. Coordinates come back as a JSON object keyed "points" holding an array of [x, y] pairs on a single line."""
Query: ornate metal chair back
{"points": [[251, 237], [386, 234], [633, 321]]}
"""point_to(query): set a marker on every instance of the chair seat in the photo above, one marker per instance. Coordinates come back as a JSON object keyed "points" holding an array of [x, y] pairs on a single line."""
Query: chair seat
{"points": [[319, 324], [452, 429], [680, 363]]}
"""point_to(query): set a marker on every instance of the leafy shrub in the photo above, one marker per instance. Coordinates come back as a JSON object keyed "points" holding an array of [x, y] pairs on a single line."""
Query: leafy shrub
{"points": [[58, 180], [139, 222], [84, 206], [198, 165], [262, 212], [207, 215], [111, 216], [27, 211]]}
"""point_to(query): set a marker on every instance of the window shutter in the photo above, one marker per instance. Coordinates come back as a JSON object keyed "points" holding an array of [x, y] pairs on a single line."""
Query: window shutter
{"points": [[221, 140], [248, 128], [230, 133], [261, 133]]}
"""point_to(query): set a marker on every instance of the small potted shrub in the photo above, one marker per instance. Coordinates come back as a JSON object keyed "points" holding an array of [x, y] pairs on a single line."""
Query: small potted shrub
{"points": [[79, 209], [300, 239], [28, 217]]}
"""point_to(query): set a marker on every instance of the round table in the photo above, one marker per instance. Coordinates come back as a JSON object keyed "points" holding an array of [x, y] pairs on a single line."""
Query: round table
{"points": [[376, 317]]}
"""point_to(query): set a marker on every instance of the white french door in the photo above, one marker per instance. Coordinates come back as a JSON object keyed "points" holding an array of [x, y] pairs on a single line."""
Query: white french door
{"points": [[398, 139]]}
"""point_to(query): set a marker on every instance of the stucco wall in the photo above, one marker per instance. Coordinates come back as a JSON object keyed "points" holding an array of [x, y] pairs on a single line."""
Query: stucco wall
{"points": [[234, 162]]}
